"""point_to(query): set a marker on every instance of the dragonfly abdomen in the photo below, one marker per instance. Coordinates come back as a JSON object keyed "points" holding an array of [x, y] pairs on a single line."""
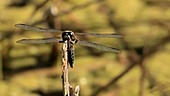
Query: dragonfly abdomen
{"points": [[70, 53], [71, 57]]}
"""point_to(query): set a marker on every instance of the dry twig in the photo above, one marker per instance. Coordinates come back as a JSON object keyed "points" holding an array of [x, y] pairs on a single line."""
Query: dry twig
{"points": [[67, 88]]}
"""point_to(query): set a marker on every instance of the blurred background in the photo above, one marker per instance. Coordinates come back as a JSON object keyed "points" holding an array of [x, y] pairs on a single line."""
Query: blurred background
{"points": [[141, 69]]}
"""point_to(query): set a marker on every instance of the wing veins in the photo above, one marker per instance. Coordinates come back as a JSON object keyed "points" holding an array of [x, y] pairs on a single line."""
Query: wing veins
{"points": [[98, 46], [37, 29], [101, 35], [39, 41]]}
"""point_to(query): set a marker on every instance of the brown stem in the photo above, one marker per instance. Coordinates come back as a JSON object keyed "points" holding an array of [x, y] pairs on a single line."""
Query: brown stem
{"points": [[68, 90], [66, 84]]}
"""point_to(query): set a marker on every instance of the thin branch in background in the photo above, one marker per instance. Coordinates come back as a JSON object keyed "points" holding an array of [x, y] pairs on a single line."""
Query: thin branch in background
{"points": [[68, 11], [78, 7], [37, 7], [151, 50], [19, 3], [153, 82], [114, 80], [159, 3], [142, 79], [1, 67]]}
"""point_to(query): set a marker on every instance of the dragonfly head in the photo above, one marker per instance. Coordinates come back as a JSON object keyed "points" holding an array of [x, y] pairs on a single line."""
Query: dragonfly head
{"points": [[68, 35]]}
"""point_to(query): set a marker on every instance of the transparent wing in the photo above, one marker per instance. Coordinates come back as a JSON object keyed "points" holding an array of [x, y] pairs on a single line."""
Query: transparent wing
{"points": [[39, 40], [101, 35], [98, 46], [38, 29], [33, 28]]}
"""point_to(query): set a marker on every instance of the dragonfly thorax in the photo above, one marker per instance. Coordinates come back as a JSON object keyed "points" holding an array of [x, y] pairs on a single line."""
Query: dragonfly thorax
{"points": [[68, 35]]}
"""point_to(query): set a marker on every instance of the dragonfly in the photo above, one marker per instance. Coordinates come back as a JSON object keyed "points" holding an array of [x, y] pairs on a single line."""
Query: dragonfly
{"points": [[68, 36]]}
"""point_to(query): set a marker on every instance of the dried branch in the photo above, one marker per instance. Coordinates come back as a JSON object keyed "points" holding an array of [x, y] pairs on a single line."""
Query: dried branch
{"points": [[68, 90], [66, 84]]}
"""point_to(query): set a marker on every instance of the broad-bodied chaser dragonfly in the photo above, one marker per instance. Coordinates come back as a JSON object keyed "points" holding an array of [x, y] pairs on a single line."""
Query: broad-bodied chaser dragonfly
{"points": [[69, 37]]}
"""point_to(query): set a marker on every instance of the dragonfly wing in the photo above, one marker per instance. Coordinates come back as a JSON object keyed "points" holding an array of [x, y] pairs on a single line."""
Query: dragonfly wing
{"points": [[97, 46], [33, 28], [101, 35], [39, 40]]}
